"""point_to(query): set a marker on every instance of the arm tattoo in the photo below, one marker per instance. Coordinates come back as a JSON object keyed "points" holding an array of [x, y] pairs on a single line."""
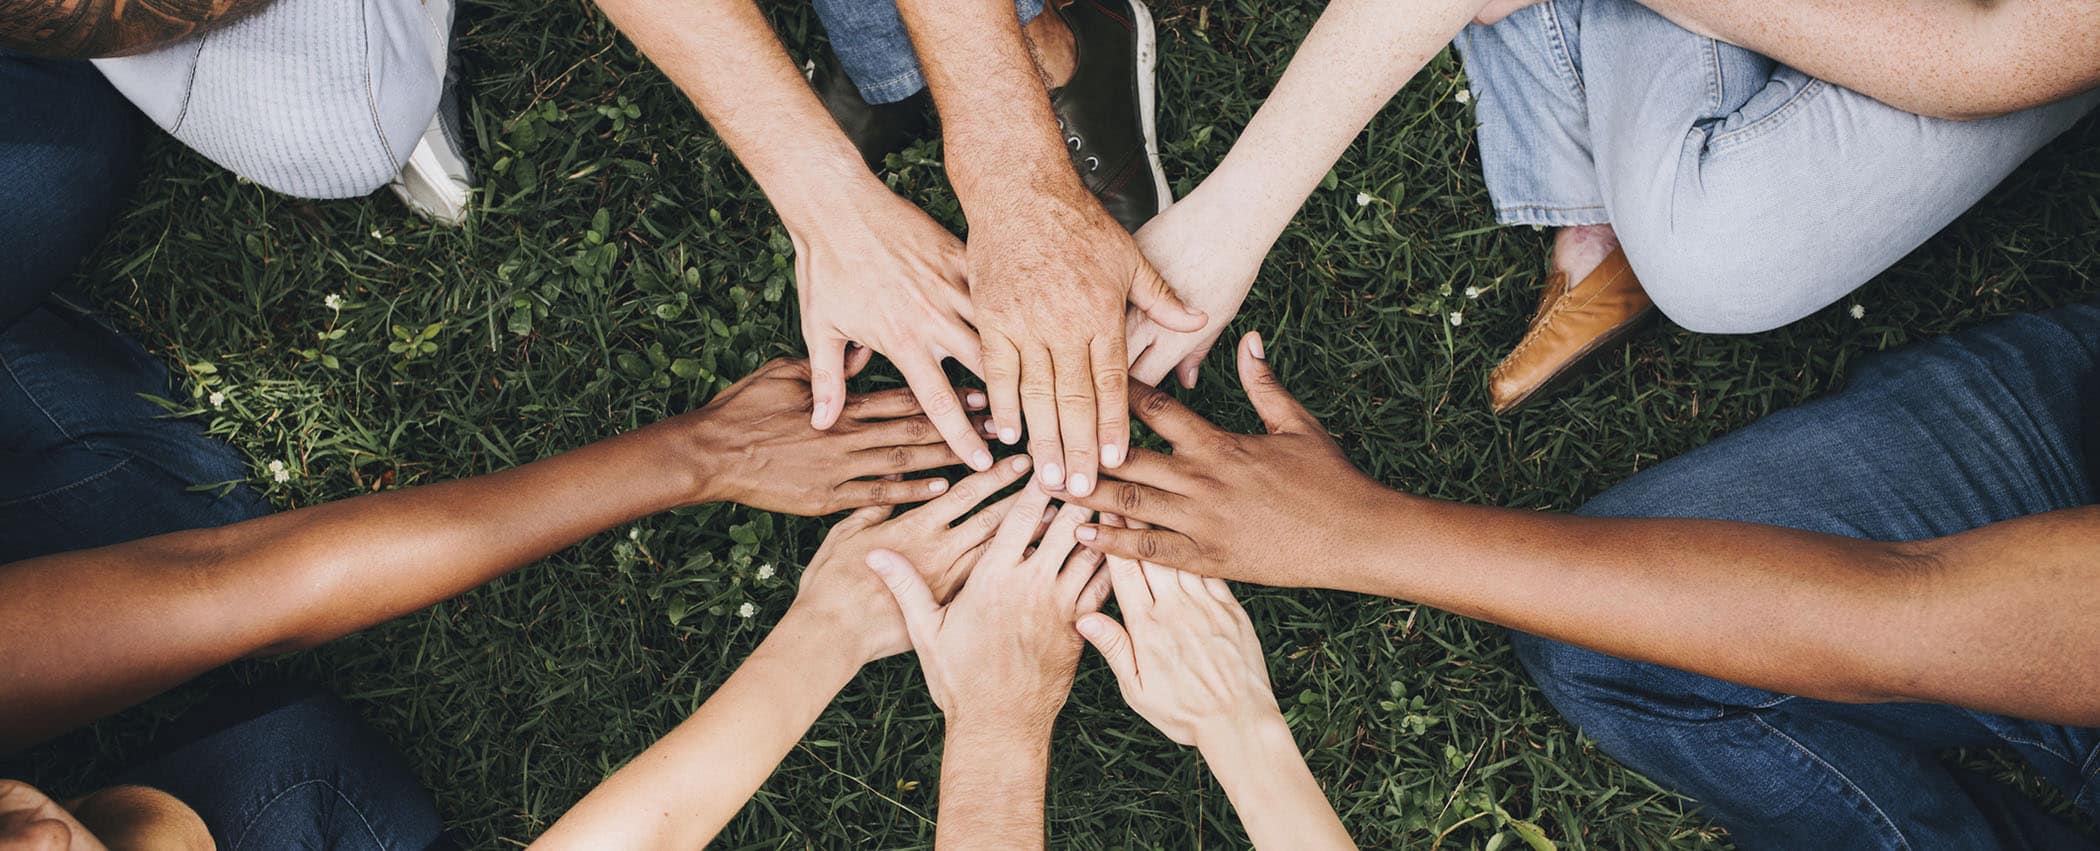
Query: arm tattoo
{"points": [[81, 29]]}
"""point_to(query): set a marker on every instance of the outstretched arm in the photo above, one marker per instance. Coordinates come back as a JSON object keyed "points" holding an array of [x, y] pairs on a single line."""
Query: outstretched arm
{"points": [[870, 268], [93, 631], [1948, 58], [1210, 244], [91, 29], [1187, 660], [1992, 619]]}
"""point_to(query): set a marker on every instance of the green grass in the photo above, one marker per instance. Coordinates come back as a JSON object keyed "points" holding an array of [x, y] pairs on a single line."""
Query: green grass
{"points": [[620, 237]]}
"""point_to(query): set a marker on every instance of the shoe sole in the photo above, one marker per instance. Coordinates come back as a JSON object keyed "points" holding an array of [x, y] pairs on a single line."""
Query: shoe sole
{"points": [[1148, 98], [1574, 363]]}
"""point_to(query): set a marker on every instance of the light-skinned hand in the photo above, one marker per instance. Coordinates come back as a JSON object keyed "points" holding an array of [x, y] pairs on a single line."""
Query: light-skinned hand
{"points": [[883, 274], [1002, 652], [838, 590], [1247, 507], [1050, 280], [1210, 272], [753, 444], [1185, 655]]}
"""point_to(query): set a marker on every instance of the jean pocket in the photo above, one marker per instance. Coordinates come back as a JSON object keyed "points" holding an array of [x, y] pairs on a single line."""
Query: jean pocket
{"points": [[1786, 95]]}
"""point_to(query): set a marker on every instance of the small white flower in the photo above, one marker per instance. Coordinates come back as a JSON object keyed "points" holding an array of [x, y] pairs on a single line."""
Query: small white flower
{"points": [[376, 234], [218, 399], [333, 301], [278, 473], [1363, 199], [634, 533], [1463, 96], [746, 610], [765, 571], [1472, 292], [1859, 311], [1458, 317]]}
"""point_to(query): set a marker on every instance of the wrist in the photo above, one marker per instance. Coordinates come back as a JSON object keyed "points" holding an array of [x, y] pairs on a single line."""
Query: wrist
{"points": [[834, 191], [1233, 747], [701, 461], [823, 644], [1356, 549]]}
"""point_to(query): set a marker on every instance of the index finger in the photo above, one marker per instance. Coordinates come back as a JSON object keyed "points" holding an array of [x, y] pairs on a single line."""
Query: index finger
{"points": [[1166, 415], [1110, 378]]}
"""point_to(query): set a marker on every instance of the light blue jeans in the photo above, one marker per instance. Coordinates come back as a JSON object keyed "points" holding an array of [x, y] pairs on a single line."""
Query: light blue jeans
{"points": [[869, 38], [1747, 194]]}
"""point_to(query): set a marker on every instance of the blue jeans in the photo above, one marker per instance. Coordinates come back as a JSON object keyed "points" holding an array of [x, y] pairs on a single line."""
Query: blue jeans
{"points": [[279, 768], [1994, 423], [875, 51], [1747, 194], [84, 461]]}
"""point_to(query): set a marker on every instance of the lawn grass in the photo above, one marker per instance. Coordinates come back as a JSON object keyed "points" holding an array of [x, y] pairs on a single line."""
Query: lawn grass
{"points": [[624, 267]]}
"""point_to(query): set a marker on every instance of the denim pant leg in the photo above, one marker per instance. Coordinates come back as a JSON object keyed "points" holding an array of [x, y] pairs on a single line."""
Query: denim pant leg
{"points": [[1534, 124], [69, 149], [1749, 195], [869, 38], [1932, 439], [298, 771]]}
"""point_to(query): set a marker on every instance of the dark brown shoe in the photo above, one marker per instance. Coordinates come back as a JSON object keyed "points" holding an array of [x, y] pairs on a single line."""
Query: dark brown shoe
{"points": [[1572, 323]]}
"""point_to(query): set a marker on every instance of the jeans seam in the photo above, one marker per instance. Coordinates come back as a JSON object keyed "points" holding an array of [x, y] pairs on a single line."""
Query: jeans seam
{"points": [[121, 464], [242, 841], [1793, 106], [1558, 42], [33, 400], [372, 97], [1857, 794]]}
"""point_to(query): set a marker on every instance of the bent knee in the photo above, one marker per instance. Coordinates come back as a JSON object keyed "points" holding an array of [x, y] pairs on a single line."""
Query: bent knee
{"points": [[1732, 291]]}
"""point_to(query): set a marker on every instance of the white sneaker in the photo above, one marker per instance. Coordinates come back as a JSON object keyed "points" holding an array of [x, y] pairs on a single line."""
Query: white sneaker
{"points": [[436, 182]]}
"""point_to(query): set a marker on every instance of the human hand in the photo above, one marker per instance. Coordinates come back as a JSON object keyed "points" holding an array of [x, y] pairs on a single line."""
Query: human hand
{"points": [[879, 272], [31, 821], [1050, 280], [1211, 272], [1185, 655], [1002, 652], [1252, 508], [753, 445], [838, 592]]}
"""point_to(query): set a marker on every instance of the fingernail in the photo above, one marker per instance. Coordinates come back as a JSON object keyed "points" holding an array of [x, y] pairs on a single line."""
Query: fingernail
{"points": [[981, 461], [988, 428], [1008, 436], [1111, 454], [1254, 347], [816, 414], [1191, 311], [937, 486], [1090, 628], [1053, 474], [1020, 463], [1082, 484], [974, 399], [1087, 533]]}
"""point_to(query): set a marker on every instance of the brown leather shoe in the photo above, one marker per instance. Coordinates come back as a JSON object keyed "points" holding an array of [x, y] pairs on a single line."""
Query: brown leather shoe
{"points": [[1572, 323]]}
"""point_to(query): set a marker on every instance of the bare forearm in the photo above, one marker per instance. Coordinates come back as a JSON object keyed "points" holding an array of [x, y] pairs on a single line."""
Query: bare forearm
{"points": [[1948, 58], [992, 786], [724, 56], [1278, 801], [1977, 619], [685, 788], [1001, 136], [114, 625], [86, 29], [1356, 58]]}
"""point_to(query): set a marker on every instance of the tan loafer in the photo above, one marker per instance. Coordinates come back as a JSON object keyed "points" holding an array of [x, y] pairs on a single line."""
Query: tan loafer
{"points": [[1572, 323]]}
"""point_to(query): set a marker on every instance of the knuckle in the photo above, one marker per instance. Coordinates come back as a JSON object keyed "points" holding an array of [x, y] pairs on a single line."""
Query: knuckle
{"points": [[879, 491], [898, 457], [940, 404], [1075, 399], [917, 428], [1148, 546], [1129, 498], [1153, 402]]}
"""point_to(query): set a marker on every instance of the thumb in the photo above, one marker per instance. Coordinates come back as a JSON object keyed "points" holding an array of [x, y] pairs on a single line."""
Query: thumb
{"points": [[827, 378], [1113, 642], [913, 597], [1150, 293], [1280, 412]]}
